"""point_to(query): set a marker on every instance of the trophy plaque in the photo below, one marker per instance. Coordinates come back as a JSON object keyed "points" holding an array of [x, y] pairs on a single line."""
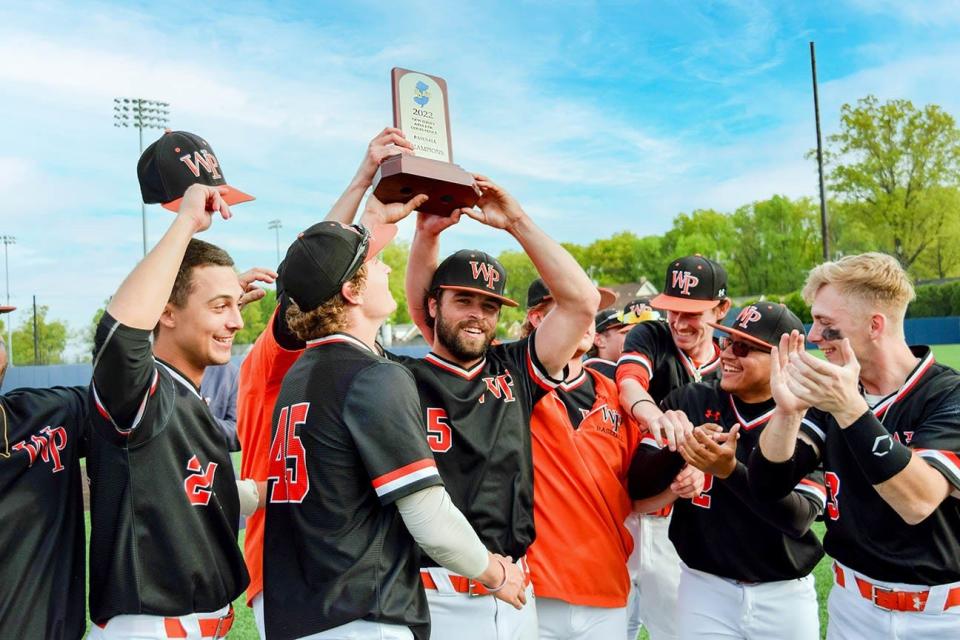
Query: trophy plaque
{"points": [[420, 110]]}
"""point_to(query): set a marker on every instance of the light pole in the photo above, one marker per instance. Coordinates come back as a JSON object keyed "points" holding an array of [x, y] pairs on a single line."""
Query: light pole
{"points": [[275, 225], [140, 114], [7, 241]]}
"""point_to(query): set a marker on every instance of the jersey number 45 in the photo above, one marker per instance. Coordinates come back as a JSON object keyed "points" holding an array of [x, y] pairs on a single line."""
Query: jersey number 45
{"points": [[288, 458]]}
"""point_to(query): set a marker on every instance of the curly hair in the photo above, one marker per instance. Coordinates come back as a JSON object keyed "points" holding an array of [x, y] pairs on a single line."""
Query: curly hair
{"points": [[330, 317]]}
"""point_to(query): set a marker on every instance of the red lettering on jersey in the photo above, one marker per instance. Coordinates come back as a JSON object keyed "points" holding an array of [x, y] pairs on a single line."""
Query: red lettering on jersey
{"points": [[501, 387], [908, 437], [611, 416], [487, 271], [703, 500], [202, 158], [291, 481], [46, 445], [683, 280], [832, 481], [198, 484], [439, 433]]}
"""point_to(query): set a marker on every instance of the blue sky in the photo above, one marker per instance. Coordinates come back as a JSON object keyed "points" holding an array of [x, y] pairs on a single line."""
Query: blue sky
{"points": [[598, 116]]}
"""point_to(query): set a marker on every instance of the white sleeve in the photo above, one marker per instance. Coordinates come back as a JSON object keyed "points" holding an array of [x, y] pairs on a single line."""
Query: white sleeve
{"points": [[442, 531]]}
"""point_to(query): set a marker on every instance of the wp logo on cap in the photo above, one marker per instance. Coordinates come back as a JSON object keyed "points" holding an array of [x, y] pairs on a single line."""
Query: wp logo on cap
{"points": [[762, 324], [177, 160], [748, 315], [486, 271], [693, 285], [473, 271]]}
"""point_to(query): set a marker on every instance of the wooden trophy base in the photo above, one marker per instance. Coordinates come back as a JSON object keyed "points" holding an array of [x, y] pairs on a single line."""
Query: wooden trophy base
{"points": [[403, 176]]}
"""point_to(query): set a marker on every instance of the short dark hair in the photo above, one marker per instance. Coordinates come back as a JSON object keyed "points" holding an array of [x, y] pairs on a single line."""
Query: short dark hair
{"points": [[198, 254], [432, 294]]}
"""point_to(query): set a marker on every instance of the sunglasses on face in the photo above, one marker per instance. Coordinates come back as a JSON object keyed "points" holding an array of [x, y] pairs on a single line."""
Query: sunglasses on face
{"points": [[361, 254], [741, 348]]}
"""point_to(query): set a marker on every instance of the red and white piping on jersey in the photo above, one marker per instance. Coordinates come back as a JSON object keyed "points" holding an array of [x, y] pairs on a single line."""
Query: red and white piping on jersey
{"points": [[638, 358], [697, 372], [536, 374], [650, 441], [179, 378], [405, 475], [102, 408], [814, 489], [467, 374], [570, 385], [589, 362], [947, 461], [747, 425], [335, 338], [907, 386]]}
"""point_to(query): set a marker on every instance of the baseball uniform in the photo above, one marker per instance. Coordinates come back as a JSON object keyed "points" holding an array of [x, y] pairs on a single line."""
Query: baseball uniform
{"points": [[42, 540], [164, 505], [896, 579]]}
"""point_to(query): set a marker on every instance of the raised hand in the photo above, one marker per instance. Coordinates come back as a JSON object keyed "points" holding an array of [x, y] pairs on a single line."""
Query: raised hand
{"points": [[388, 142], [199, 204], [376, 212], [787, 401], [671, 428], [251, 292], [827, 386], [498, 208]]}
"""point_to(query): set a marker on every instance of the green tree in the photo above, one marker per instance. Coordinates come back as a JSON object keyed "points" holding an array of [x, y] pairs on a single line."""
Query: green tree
{"points": [[705, 231], [520, 273], [942, 258], [888, 161], [52, 339], [256, 316], [395, 255]]}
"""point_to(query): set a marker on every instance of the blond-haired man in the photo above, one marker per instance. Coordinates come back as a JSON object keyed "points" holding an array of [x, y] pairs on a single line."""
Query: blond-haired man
{"points": [[884, 420]]}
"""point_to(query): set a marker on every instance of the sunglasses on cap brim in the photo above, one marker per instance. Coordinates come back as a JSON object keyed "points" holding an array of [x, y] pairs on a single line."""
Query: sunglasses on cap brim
{"points": [[741, 348], [361, 254]]}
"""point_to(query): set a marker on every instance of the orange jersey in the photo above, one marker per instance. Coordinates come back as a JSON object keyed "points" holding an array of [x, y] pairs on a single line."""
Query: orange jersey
{"points": [[580, 499], [261, 373]]}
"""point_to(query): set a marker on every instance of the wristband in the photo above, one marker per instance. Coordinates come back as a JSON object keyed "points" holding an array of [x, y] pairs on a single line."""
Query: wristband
{"points": [[638, 402], [503, 583], [880, 456]]}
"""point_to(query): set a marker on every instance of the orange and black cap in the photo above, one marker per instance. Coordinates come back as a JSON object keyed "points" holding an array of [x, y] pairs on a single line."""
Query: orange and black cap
{"points": [[473, 271], [762, 324], [693, 285]]}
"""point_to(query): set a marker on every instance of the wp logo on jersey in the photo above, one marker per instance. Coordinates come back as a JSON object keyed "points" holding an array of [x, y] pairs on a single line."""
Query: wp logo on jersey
{"points": [[683, 281], [46, 445], [487, 272], [500, 386], [199, 484]]}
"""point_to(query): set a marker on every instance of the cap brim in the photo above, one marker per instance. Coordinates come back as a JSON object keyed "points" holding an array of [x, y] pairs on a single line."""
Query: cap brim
{"points": [[6, 309], [231, 197], [380, 237], [741, 334], [504, 300], [683, 305], [607, 297]]}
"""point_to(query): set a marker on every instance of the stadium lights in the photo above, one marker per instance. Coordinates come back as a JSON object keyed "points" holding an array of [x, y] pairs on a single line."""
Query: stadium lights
{"points": [[141, 114], [7, 241], [275, 225]]}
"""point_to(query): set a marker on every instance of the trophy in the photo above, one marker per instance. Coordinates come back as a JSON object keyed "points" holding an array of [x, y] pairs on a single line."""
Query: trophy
{"points": [[420, 110]]}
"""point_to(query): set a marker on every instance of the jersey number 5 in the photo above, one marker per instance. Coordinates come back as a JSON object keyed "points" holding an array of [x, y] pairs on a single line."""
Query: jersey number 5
{"points": [[288, 458], [439, 434], [832, 481], [703, 500]]}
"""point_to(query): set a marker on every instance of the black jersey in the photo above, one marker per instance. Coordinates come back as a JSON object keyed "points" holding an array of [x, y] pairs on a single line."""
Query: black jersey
{"points": [[722, 531], [41, 538], [606, 367], [578, 396], [863, 531], [348, 442], [164, 506], [478, 426], [650, 355]]}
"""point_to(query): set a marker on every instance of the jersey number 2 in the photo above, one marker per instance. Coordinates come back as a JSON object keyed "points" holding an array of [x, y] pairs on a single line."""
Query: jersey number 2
{"points": [[703, 500], [288, 458], [832, 481], [439, 434]]}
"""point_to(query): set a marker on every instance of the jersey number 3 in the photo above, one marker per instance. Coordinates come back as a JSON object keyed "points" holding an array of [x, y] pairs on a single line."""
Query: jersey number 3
{"points": [[439, 434], [288, 458]]}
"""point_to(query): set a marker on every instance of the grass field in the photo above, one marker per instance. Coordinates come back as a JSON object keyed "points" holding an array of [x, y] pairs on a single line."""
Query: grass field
{"points": [[245, 629]]}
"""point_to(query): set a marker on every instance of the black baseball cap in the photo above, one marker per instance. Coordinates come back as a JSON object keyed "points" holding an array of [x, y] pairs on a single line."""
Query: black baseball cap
{"points": [[474, 271], [538, 292], [327, 255], [693, 285], [762, 324], [174, 162]]}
